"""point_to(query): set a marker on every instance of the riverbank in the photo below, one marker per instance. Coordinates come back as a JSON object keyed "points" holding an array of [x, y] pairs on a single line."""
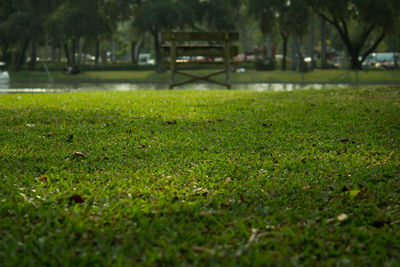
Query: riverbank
{"points": [[249, 76]]}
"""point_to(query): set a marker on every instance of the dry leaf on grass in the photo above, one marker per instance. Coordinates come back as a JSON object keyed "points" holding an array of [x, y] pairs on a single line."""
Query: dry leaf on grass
{"points": [[42, 178], [80, 154], [342, 217], [173, 122], [228, 180], [203, 250]]}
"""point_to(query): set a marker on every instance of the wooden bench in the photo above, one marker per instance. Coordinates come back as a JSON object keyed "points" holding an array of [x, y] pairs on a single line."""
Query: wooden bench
{"points": [[210, 45]]}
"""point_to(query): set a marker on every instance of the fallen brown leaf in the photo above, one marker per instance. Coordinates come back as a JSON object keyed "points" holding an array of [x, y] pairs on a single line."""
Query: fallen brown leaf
{"points": [[201, 191], [307, 187], [252, 239], [80, 154], [43, 177], [242, 199], [203, 250], [342, 217], [173, 122]]}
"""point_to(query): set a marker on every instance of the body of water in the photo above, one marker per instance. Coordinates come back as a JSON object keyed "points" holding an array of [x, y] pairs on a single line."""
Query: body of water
{"points": [[19, 87]]}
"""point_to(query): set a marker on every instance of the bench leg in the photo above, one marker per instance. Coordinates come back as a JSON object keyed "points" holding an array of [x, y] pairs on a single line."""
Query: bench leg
{"points": [[173, 64], [227, 61]]}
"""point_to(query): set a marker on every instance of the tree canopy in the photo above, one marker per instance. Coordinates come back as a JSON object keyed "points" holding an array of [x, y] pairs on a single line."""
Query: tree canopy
{"points": [[290, 18], [361, 24]]}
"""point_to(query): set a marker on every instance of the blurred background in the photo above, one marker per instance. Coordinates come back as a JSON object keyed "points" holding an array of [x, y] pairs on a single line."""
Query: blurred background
{"points": [[296, 35]]}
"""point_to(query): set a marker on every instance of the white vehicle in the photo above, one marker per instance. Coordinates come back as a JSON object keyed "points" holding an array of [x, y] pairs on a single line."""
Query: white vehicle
{"points": [[144, 59], [4, 77], [383, 60]]}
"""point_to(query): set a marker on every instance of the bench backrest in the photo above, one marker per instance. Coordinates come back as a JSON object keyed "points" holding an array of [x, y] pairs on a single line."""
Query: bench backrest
{"points": [[198, 45], [200, 36]]}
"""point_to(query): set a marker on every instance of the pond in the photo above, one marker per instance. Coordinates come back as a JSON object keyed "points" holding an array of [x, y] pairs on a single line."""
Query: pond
{"points": [[22, 87]]}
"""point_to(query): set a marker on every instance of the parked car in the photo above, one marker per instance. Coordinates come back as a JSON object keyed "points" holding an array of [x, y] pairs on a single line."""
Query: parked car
{"points": [[145, 59], [383, 60], [4, 77]]}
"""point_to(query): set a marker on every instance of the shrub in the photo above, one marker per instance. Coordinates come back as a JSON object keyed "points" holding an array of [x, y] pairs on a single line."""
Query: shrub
{"points": [[265, 64]]}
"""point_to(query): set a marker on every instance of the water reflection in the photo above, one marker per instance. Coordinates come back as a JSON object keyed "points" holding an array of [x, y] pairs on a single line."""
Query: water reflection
{"points": [[16, 87]]}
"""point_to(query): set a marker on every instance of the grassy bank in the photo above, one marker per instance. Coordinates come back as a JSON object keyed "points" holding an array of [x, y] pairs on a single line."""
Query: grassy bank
{"points": [[201, 177], [333, 76]]}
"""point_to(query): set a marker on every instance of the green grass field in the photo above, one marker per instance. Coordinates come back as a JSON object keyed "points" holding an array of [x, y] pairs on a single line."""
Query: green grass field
{"points": [[333, 76], [222, 177]]}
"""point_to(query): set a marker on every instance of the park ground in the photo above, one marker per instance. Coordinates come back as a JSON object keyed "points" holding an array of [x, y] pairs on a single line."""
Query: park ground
{"points": [[249, 76], [201, 177]]}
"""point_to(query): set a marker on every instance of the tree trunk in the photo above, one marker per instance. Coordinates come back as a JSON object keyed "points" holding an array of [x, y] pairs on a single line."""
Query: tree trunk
{"points": [[18, 57], [73, 51], [59, 54], [53, 54], [79, 44], [133, 55], [293, 53], [5, 55], [157, 48], [285, 42], [269, 46], [32, 62], [67, 55], [355, 63], [323, 54], [301, 65], [113, 56], [135, 51], [97, 55], [22, 55], [84, 53], [311, 42]]}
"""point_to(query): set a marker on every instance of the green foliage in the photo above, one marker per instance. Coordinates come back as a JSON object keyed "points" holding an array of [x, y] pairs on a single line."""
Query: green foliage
{"points": [[20, 24], [373, 20], [155, 16], [289, 18], [200, 178], [217, 15], [160, 15], [264, 64], [292, 17]]}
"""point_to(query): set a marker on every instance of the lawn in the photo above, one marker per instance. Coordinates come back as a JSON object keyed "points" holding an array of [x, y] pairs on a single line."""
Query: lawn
{"points": [[330, 76], [201, 178]]}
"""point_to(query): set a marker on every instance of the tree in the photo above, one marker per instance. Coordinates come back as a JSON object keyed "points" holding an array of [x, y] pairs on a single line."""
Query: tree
{"points": [[361, 24], [214, 15], [155, 16], [323, 31], [76, 19], [21, 23], [291, 18]]}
